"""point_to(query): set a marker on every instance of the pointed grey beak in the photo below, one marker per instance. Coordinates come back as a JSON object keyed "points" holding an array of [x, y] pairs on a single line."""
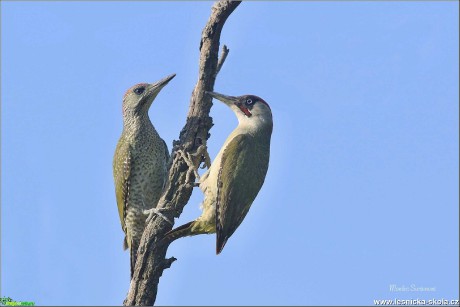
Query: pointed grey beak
{"points": [[228, 100], [157, 86]]}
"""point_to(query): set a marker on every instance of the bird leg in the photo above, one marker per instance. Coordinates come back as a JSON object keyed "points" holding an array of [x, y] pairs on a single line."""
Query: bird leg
{"points": [[194, 161], [155, 211], [188, 159], [202, 151]]}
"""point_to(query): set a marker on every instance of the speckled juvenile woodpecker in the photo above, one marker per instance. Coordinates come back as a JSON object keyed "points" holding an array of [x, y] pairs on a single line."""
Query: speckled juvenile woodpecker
{"points": [[140, 164], [237, 173]]}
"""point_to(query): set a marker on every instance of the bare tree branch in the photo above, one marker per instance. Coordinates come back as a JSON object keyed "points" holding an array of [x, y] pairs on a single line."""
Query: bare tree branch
{"points": [[151, 254], [223, 56]]}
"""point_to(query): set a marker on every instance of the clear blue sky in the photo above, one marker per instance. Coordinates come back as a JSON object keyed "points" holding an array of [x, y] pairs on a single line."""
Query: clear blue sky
{"points": [[362, 190]]}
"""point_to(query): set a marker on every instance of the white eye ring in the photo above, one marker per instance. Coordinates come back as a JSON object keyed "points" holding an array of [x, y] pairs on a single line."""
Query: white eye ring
{"points": [[249, 101]]}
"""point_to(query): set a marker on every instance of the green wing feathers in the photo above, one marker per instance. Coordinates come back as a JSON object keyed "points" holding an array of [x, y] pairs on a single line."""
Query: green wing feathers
{"points": [[122, 170], [244, 165]]}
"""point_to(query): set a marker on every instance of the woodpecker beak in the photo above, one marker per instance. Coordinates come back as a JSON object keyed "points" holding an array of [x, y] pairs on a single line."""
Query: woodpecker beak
{"points": [[230, 101], [157, 86]]}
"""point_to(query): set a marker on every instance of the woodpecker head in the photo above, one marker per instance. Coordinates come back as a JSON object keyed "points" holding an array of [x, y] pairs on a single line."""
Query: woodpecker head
{"points": [[139, 98], [248, 108]]}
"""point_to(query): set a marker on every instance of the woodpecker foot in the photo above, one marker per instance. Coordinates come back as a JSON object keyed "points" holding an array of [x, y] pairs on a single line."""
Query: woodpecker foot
{"points": [[188, 159], [194, 161], [202, 150], [155, 211]]}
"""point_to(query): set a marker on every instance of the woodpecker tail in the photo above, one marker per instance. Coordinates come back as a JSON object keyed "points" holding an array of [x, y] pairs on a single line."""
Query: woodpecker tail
{"points": [[179, 232], [220, 243], [133, 257]]}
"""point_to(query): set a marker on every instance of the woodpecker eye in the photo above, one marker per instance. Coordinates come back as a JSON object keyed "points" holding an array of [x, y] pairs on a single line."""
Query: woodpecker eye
{"points": [[139, 90], [249, 102]]}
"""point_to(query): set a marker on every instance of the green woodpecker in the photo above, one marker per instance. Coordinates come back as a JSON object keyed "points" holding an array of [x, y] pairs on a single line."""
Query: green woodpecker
{"points": [[140, 164], [237, 173]]}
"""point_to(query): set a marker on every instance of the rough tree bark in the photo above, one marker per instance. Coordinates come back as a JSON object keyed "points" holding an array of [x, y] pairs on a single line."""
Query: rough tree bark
{"points": [[151, 261]]}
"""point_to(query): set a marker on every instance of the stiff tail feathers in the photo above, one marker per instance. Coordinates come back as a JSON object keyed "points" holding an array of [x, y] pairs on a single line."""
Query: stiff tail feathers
{"points": [[179, 232], [220, 242], [133, 256]]}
